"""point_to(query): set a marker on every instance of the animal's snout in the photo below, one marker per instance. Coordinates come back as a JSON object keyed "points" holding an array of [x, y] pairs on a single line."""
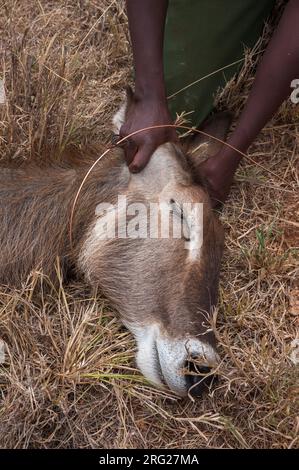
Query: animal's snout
{"points": [[199, 378], [185, 364]]}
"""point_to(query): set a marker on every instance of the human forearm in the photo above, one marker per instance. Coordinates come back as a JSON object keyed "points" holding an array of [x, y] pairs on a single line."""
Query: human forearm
{"points": [[146, 23], [278, 67]]}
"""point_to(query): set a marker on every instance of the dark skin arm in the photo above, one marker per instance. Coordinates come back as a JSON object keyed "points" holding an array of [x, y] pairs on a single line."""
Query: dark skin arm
{"points": [[277, 68], [146, 23]]}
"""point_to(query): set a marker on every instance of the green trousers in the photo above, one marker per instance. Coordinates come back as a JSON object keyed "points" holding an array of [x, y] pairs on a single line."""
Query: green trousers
{"points": [[201, 37]]}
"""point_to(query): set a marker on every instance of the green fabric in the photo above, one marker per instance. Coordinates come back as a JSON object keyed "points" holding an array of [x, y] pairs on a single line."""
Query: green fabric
{"points": [[202, 36]]}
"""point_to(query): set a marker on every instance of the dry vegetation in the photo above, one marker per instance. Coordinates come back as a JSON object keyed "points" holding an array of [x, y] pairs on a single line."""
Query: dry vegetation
{"points": [[69, 378]]}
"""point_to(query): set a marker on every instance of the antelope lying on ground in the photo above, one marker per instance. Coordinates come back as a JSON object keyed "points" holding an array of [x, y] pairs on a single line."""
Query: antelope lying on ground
{"points": [[163, 291]]}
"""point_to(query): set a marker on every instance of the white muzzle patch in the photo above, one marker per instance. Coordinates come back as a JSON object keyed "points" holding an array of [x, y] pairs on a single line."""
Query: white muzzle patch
{"points": [[162, 359]]}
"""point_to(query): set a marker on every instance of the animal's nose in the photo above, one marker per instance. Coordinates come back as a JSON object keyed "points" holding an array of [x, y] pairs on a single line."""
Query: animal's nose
{"points": [[198, 378], [183, 364]]}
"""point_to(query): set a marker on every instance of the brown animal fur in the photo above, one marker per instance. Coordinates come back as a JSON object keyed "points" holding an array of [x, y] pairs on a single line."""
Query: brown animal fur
{"points": [[35, 211]]}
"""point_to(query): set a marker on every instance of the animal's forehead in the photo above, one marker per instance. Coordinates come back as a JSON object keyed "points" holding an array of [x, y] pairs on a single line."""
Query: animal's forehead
{"points": [[167, 176], [181, 193], [165, 166]]}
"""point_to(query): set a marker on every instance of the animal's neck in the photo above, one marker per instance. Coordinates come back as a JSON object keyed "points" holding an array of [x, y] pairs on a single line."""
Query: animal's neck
{"points": [[35, 208]]}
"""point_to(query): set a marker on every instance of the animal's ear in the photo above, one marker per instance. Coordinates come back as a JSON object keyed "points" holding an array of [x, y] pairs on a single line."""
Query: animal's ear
{"points": [[199, 147], [120, 116]]}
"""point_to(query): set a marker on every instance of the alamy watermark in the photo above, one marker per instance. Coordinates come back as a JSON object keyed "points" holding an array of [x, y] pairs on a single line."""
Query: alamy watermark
{"points": [[151, 220], [2, 92], [294, 356], [2, 351], [295, 92], [294, 95]]}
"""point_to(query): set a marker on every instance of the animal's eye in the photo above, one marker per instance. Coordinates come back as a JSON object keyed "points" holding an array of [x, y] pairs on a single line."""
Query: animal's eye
{"points": [[178, 210]]}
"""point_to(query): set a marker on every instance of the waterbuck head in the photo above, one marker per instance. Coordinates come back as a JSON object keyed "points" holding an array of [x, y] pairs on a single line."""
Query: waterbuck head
{"points": [[155, 252]]}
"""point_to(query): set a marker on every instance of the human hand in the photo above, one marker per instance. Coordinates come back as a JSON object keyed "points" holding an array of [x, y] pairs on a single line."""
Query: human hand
{"points": [[217, 173], [141, 113]]}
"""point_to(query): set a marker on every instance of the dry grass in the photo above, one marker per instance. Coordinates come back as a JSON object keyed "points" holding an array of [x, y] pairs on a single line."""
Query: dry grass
{"points": [[69, 378]]}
